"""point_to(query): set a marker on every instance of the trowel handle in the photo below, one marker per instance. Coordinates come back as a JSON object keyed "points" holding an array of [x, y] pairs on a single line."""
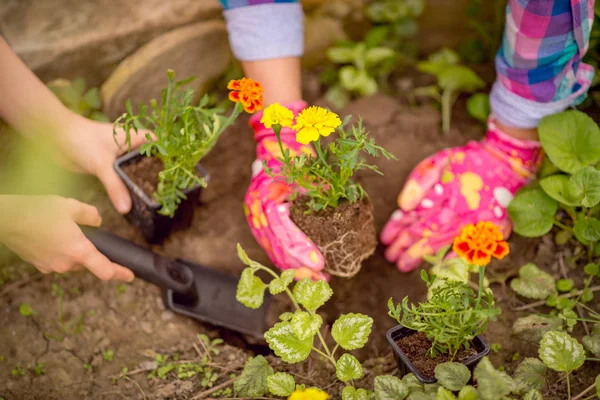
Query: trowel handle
{"points": [[161, 271]]}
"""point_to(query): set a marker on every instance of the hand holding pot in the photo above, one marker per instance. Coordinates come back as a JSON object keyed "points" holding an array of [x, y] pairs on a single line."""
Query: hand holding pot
{"points": [[267, 209], [456, 187], [44, 231]]}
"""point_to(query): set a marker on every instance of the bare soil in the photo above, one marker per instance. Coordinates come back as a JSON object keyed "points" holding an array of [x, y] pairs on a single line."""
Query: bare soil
{"points": [[144, 173], [416, 347], [345, 235], [131, 319]]}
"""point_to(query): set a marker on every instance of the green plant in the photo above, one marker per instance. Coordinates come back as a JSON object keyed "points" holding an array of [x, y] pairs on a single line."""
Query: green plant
{"points": [[74, 95], [183, 133], [452, 80], [327, 178], [26, 310], [293, 338], [569, 183], [63, 327], [39, 369], [453, 315], [108, 355], [18, 371], [486, 21]]}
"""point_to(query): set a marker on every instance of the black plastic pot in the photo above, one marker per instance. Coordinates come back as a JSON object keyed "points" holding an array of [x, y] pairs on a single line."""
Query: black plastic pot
{"points": [[144, 209], [406, 366]]}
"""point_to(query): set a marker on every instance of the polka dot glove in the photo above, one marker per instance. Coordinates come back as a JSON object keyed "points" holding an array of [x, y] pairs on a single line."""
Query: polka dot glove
{"points": [[456, 187], [267, 209]]}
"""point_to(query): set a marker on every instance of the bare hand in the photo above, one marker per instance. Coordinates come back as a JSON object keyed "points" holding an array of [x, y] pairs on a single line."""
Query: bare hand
{"points": [[44, 231]]}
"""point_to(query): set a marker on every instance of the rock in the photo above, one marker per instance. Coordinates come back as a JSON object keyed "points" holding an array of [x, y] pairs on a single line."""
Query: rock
{"points": [[71, 38], [320, 33], [200, 49]]}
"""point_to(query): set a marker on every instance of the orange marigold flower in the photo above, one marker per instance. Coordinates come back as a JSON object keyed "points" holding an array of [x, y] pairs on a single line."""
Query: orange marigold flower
{"points": [[247, 92], [477, 244]]}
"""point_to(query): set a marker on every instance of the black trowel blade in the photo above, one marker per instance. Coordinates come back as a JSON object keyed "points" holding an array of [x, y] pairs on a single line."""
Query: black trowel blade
{"points": [[216, 303]]}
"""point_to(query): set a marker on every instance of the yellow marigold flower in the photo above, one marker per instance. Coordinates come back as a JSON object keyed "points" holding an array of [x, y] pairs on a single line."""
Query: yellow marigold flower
{"points": [[276, 114], [309, 394], [478, 243], [314, 121]]}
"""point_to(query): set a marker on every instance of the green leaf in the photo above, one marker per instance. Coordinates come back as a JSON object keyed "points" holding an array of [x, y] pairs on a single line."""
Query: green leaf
{"points": [[459, 78], [491, 383], [312, 294], [286, 316], [584, 186], [560, 352], [533, 283], [92, 98], [565, 285], [533, 395], [532, 212], [250, 289], [468, 393], [281, 384], [26, 310], [304, 325], [389, 387], [412, 383], [571, 140], [557, 187], [279, 285], [530, 374], [444, 394], [421, 396], [592, 344], [478, 106], [286, 345], [348, 368], [587, 229], [341, 55], [453, 376], [592, 269], [351, 331], [349, 393], [598, 386], [253, 380], [243, 256], [532, 327], [378, 54]]}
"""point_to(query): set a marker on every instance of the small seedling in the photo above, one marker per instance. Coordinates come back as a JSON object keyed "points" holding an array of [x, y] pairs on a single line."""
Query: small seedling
{"points": [[39, 369], [120, 289], [211, 345], [18, 371], [495, 347], [26, 310], [108, 355], [88, 367]]}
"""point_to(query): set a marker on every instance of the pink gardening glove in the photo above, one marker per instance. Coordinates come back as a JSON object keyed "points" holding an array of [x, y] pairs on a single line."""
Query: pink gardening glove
{"points": [[456, 187], [267, 209]]}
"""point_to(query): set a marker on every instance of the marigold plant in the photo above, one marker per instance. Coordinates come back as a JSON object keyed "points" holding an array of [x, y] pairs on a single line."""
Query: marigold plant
{"points": [[327, 177], [184, 132], [477, 244]]}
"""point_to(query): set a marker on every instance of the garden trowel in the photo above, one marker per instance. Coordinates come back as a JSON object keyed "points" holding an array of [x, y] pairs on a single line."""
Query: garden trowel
{"points": [[190, 289]]}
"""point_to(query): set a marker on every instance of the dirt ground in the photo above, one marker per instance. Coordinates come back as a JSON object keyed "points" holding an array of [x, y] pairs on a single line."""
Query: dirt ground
{"points": [[132, 321]]}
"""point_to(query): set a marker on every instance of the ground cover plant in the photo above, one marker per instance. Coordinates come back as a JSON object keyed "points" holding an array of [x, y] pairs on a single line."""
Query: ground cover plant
{"points": [[332, 209]]}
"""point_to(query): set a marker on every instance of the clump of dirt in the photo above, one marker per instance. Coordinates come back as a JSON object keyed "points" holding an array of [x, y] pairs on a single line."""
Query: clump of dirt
{"points": [[416, 346], [345, 235], [144, 173]]}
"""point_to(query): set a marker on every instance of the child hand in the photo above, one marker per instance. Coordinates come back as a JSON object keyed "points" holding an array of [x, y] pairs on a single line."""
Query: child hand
{"points": [[44, 231], [456, 187], [268, 211]]}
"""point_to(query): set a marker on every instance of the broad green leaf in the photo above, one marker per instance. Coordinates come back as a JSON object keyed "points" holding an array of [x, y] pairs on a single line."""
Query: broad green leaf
{"points": [[532, 212], [243, 256], [491, 383], [564, 285], [532, 327], [281, 384], [286, 345], [571, 140], [348, 77], [468, 393], [341, 55], [305, 325], [412, 383], [250, 289], [533, 283], [560, 352], [312, 294], [444, 394], [592, 269], [431, 388], [378, 54], [280, 284], [459, 78], [253, 380], [453, 376], [351, 331], [584, 186], [592, 344], [389, 387], [350, 393], [337, 96], [286, 316], [478, 106], [26, 310], [455, 269], [92, 98], [348, 368], [587, 229], [557, 187], [421, 396], [530, 374], [445, 56], [533, 395]]}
